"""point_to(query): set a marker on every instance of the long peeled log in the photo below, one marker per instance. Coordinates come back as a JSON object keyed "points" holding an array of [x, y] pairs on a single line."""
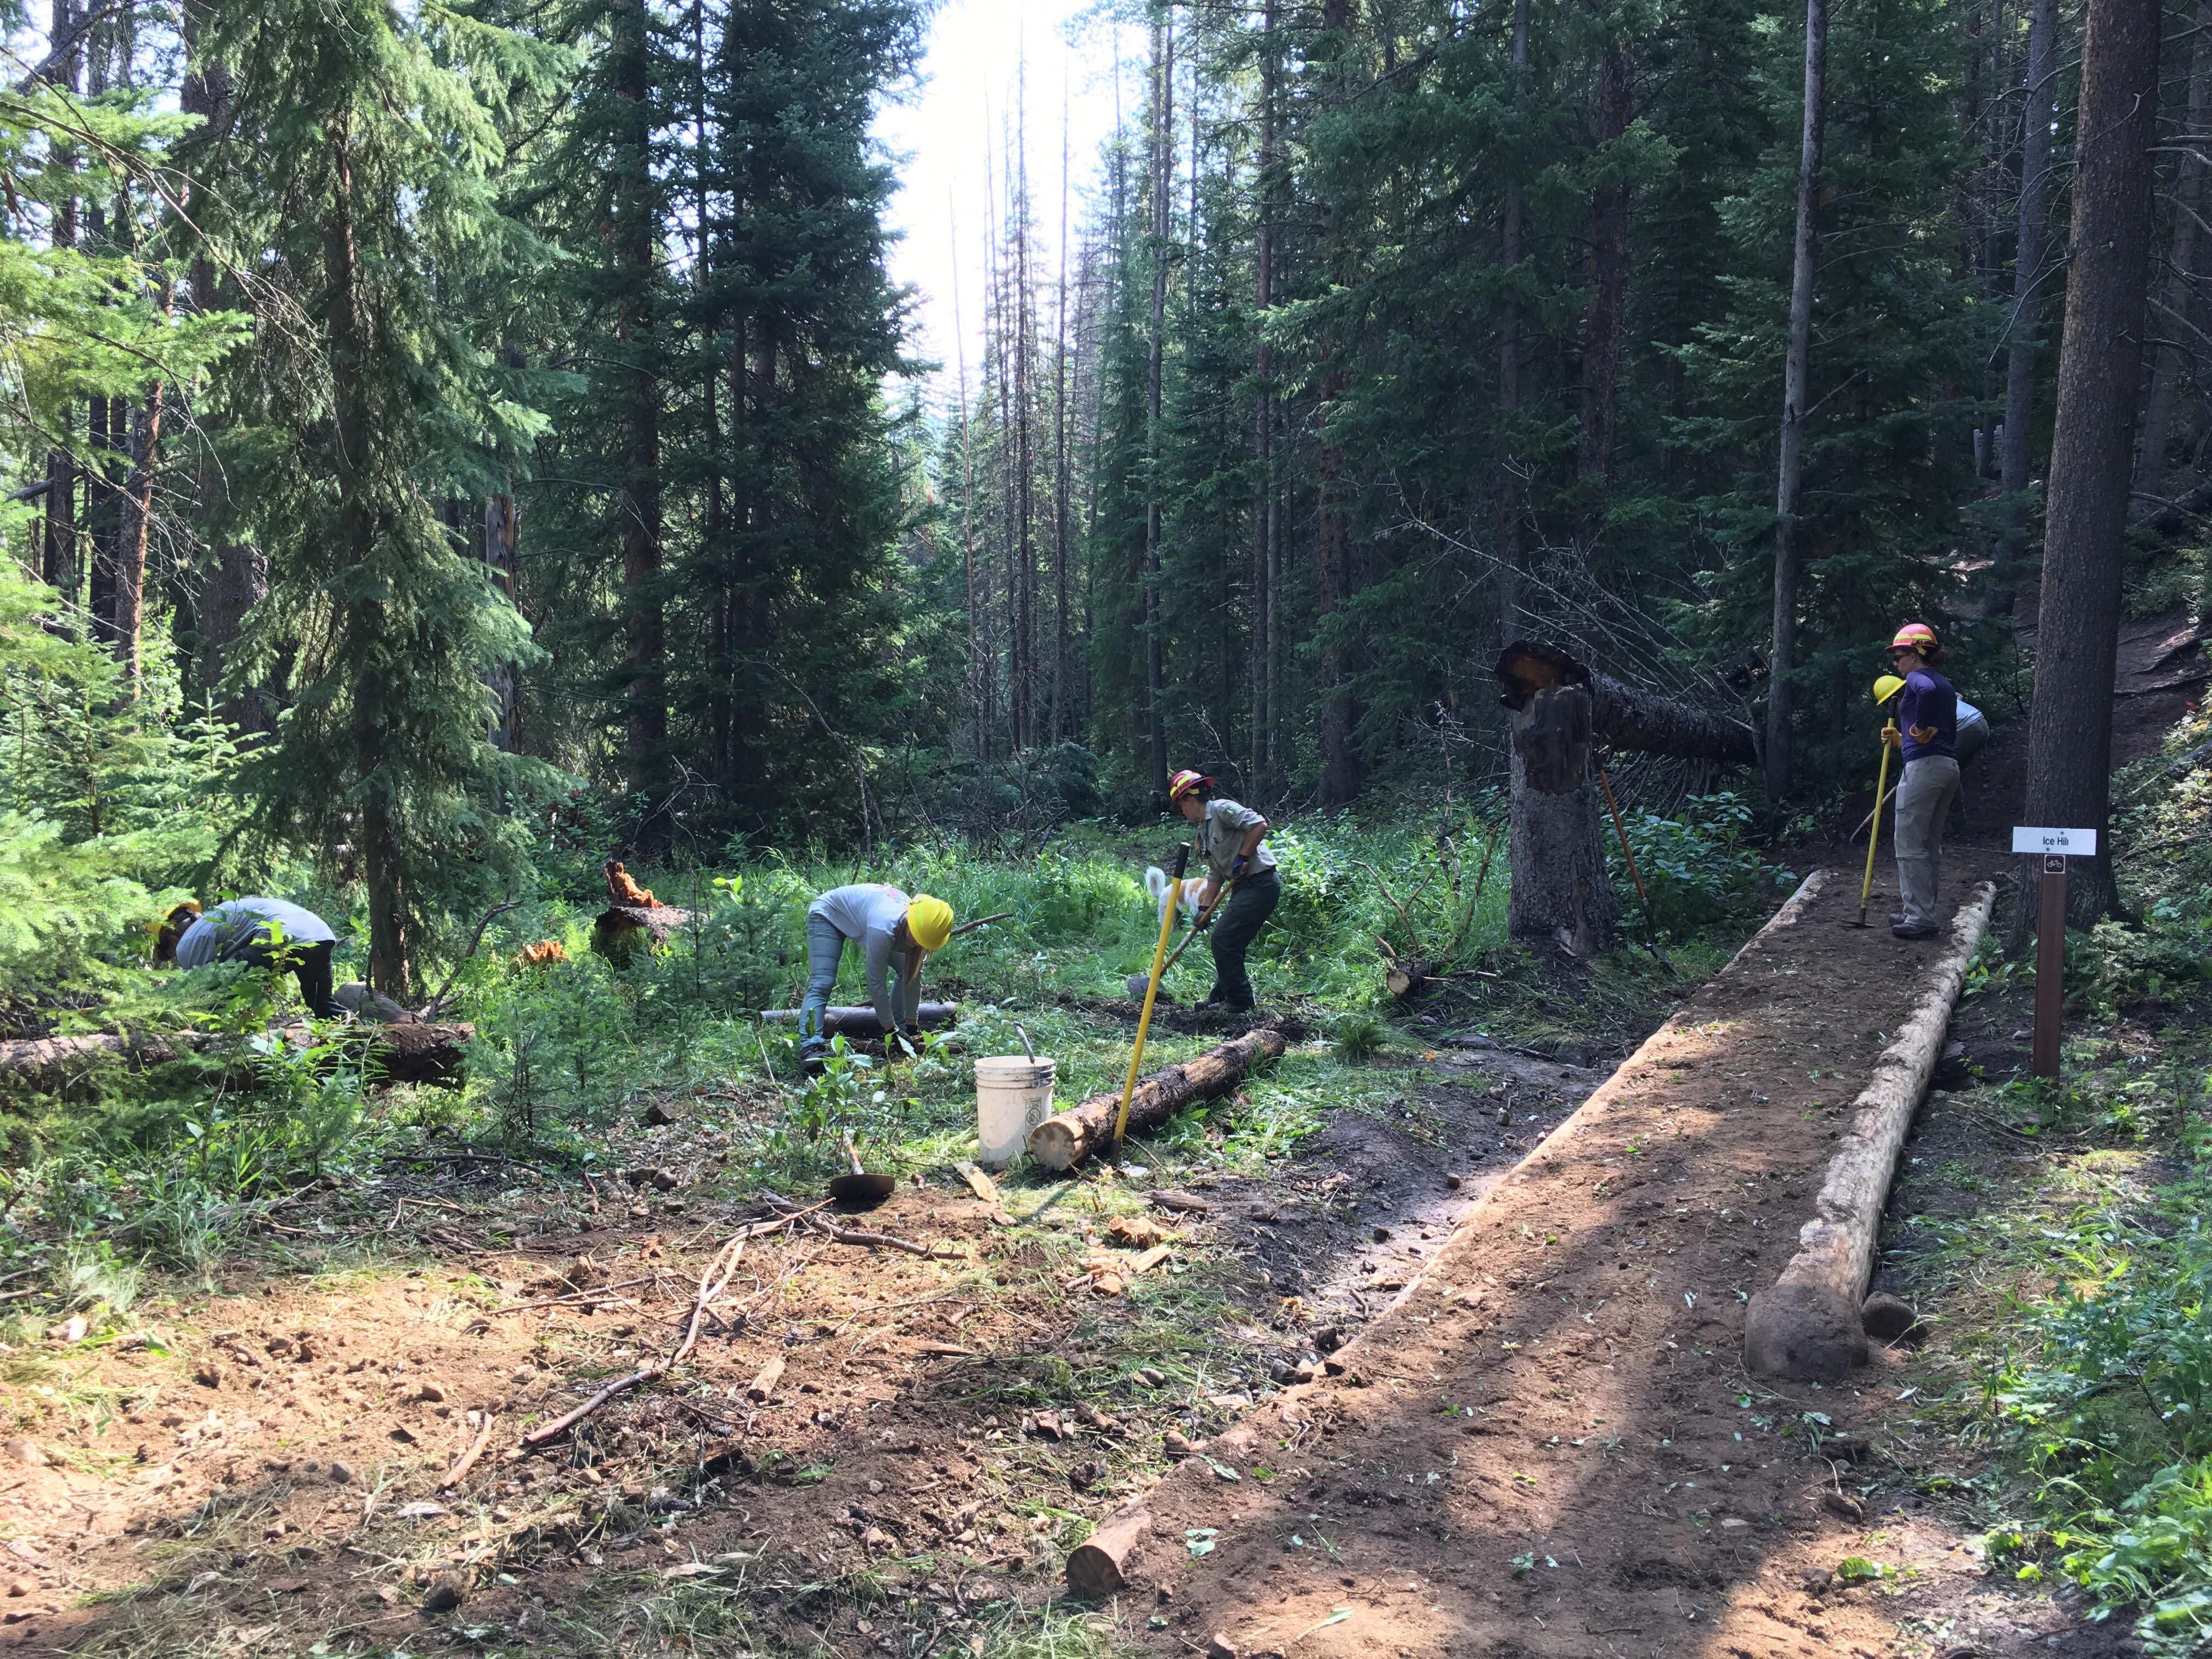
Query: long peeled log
{"points": [[1068, 1137], [1808, 1324], [862, 1022]]}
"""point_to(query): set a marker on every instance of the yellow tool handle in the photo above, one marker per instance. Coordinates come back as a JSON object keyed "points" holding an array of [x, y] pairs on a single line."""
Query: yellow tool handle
{"points": [[1151, 990], [1874, 830]]}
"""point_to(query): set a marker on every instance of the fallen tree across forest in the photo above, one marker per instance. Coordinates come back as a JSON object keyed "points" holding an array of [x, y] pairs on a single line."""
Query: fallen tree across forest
{"points": [[1065, 1139]]}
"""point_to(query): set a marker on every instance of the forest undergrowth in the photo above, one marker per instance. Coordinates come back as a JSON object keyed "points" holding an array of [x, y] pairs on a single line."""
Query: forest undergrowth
{"points": [[2053, 1233]]}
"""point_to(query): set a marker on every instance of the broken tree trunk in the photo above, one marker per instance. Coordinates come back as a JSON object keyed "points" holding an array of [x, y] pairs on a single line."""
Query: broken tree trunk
{"points": [[1560, 710], [401, 1053], [1065, 1139], [621, 928], [862, 1022], [1625, 717], [1809, 1326]]}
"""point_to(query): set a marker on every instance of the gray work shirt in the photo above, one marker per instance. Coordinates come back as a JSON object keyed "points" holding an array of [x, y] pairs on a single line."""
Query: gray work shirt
{"points": [[1221, 832], [869, 913], [234, 929]]}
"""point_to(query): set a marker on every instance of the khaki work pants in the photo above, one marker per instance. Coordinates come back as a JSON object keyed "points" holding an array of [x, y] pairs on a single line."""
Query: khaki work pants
{"points": [[1924, 801]]}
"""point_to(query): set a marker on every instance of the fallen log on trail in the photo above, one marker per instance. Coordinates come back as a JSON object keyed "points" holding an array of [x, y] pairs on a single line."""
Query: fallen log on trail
{"points": [[1809, 1326], [862, 1022], [1065, 1139], [400, 1054]]}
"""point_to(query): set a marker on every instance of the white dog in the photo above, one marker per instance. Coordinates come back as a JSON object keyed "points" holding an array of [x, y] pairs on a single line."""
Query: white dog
{"points": [[1158, 882]]}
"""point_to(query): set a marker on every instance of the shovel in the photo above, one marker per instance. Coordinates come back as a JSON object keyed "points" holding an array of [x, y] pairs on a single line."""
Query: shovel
{"points": [[1874, 839], [1151, 992], [860, 1187]]}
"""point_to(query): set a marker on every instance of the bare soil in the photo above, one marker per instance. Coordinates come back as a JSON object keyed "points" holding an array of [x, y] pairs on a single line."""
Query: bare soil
{"points": [[1547, 1445]]}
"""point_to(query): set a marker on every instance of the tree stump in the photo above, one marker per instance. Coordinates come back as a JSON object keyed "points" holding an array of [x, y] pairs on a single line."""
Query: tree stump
{"points": [[1562, 894]]}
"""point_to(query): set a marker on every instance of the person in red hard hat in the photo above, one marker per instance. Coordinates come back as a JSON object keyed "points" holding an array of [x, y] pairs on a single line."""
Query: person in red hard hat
{"points": [[1229, 837], [1927, 731]]}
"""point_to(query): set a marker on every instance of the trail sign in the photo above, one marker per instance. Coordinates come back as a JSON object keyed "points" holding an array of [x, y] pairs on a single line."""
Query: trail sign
{"points": [[2076, 843], [2053, 847]]}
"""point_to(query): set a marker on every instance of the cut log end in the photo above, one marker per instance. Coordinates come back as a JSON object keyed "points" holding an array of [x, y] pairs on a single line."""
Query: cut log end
{"points": [[1807, 1332], [1100, 1564], [1056, 1144]]}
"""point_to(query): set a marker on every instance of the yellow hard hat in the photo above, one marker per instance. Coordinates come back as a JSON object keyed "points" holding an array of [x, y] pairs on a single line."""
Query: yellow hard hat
{"points": [[929, 922], [1886, 687]]}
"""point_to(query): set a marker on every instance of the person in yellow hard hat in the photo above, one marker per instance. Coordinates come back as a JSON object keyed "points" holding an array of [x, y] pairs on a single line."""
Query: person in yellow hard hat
{"points": [[1231, 840], [894, 933], [1926, 731]]}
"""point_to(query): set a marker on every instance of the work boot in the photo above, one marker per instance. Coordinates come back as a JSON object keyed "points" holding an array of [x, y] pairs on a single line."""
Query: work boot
{"points": [[1896, 918], [1918, 930]]}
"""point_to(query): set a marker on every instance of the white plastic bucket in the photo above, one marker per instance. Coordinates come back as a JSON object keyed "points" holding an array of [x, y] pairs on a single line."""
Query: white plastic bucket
{"points": [[1013, 1095]]}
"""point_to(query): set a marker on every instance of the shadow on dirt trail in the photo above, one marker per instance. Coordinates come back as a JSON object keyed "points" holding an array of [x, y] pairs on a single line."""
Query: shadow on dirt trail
{"points": [[1548, 1446]]}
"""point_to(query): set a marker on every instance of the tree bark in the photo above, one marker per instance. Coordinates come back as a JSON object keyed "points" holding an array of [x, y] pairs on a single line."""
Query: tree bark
{"points": [[2101, 358], [857, 1022], [138, 513], [503, 533], [1163, 160], [1065, 1139], [1603, 326], [1339, 778], [2169, 321], [2036, 119], [1510, 551], [1061, 479], [1788, 542], [646, 714], [58, 561], [1263, 403], [425, 1052], [1561, 893]]}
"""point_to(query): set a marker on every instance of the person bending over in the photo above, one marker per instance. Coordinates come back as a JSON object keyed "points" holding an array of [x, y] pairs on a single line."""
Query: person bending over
{"points": [[1230, 840], [1928, 712], [894, 933], [268, 932]]}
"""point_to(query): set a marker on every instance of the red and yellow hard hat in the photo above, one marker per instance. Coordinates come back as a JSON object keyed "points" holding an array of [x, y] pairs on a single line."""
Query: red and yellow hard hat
{"points": [[1914, 636], [1184, 782]]}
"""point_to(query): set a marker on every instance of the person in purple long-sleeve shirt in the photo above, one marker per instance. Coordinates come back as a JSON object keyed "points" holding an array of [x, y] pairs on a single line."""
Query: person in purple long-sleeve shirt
{"points": [[1928, 714]]}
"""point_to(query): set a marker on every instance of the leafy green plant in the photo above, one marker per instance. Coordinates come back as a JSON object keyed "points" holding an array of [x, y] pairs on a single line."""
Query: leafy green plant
{"points": [[1359, 1036], [1696, 867]]}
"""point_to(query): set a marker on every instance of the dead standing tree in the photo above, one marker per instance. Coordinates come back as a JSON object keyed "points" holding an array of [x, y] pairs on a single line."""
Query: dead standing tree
{"points": [[1561, 711]]}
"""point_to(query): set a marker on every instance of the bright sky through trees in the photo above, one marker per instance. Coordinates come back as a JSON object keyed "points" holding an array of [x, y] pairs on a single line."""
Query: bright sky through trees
{"points": [[938, 136]]}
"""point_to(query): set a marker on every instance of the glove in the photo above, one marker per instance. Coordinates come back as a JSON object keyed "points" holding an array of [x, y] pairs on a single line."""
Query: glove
{"points": [[912, 1037], [1205, 919], [1237, 867]]}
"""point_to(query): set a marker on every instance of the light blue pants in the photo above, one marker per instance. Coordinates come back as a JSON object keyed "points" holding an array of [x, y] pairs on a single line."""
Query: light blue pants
{"points": [[825, 949]]}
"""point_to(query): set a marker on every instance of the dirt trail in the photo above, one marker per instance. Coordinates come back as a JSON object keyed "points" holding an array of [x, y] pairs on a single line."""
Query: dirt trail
{"points": [[1548, 1445]]}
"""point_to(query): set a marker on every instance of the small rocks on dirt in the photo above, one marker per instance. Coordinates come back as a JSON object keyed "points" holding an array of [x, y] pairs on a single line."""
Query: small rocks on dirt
{"points": [[1151, 1377], [1220, 1648], [1382, 1235], [1843, 1505], [1327, 1339], [208, 1374], [28, 1451], [1175, 1445], [341, 1472], [1455, 1182], [662, 1180], [658, 1114], [448, 1593]]}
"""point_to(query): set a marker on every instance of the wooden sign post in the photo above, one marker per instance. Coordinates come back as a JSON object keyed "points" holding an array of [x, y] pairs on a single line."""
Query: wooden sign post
{"points": [[2053, 847]]}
